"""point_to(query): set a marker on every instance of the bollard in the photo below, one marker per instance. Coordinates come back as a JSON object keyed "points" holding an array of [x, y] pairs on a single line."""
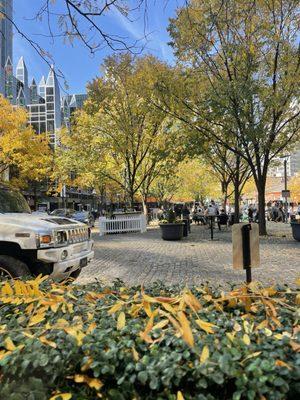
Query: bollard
{"points": [[246, 251]]}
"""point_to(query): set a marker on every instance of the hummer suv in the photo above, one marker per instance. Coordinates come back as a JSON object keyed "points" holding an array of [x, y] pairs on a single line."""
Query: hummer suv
{"points": [[40, 244]]}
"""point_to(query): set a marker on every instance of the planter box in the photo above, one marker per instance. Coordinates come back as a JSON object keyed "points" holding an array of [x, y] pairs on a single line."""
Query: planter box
{"points": [[172, 231], [296, 230]]}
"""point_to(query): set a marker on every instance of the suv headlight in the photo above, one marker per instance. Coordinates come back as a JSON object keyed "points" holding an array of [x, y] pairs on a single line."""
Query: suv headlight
{"points": [[44, 240]]}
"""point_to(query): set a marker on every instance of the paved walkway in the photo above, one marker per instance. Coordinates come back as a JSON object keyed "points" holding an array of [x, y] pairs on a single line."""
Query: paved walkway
{"points": [[144, 258]]}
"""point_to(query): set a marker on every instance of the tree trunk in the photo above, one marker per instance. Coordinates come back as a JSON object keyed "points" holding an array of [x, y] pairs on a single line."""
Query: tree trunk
{"points": [[236, 203], [261, 188]]}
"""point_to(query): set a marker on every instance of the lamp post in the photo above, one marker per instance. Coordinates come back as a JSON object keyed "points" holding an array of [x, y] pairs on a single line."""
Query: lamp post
{"points": [[285, 187]]}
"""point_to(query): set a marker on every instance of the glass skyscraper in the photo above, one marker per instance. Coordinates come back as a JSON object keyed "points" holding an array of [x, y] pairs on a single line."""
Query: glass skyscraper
{"points": [[6, 38]]}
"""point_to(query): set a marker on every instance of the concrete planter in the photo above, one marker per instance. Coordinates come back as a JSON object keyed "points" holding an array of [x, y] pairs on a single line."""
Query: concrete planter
{"points": [[172, 231], [296, 230]]}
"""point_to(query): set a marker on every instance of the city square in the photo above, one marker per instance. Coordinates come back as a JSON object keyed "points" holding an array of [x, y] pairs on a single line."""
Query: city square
{"points": [[142, 259], [149, 200]]}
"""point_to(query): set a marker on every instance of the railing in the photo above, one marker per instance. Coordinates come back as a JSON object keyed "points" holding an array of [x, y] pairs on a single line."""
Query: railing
{"points": [[133, 223]]}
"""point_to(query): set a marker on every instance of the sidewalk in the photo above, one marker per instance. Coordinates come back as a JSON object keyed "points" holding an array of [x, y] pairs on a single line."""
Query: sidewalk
{"points": [[146, 258]]}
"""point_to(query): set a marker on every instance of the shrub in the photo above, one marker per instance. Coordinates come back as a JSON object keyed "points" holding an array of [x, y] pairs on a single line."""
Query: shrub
{"points": [[88, 342]]}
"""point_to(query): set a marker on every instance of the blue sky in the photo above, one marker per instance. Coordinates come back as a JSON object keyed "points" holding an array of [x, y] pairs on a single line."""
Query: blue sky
{"points": [[75, 61]]}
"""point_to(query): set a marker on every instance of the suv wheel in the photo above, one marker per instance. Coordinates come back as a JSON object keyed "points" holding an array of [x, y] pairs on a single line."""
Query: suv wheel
{"points": [[11, 267]]}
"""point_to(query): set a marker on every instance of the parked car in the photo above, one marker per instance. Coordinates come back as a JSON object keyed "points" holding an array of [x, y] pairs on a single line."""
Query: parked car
{"points": [[63, 212], [85, 217], [40, 244]]}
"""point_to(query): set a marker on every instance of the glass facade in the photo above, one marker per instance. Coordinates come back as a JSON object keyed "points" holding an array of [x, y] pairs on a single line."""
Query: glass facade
{"points": [[6, 39]]}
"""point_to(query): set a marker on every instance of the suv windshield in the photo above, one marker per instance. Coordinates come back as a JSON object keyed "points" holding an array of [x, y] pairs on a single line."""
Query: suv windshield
{"points": [[11, 201]]}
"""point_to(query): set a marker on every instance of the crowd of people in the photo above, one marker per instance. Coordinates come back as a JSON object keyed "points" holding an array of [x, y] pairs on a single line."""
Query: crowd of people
{"points": [[200, 213]]}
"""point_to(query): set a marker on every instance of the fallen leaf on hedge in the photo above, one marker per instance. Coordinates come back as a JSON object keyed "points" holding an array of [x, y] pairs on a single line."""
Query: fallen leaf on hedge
{"points": [[267, 332], [280, 363], [206, 326], [77, 334], [169, 308], [192, 301], [298, 299], [161, 324], [135, 354], [87, 365], [6, 290], [295, 346], [36, 319], [246, 339], [91, 327], [91, 382], [180, 395], [61, 396], [237, 327], [207, 297], [255, 354], [144, 335], [116, 307], [147, 308], [121, 322], [230, 336], [187, 334], [204, 355], [44, 340], [8, 344], [4, 354], [262, 325]]}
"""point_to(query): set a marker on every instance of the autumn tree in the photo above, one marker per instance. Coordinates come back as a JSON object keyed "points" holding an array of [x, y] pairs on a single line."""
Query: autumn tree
{"points": [[197, 181], [120, 135], [294, 187], [21, 149], [240, 81]]}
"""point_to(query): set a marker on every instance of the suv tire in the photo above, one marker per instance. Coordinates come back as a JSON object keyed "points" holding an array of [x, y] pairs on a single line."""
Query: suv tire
{"points": [[14, 267]]}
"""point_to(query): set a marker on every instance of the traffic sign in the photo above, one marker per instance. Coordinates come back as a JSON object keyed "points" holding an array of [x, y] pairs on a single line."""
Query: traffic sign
{"points": [[286, 193]]}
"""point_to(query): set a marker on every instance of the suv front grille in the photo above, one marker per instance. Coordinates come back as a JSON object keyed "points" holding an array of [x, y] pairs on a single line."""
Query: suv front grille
{"points": [[70, 236]]}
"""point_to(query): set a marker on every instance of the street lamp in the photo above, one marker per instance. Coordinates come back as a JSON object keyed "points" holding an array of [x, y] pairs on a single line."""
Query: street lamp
{"points": [[285, 192]]}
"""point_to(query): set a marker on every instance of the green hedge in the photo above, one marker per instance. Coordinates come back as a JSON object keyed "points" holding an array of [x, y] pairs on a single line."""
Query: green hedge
{"points": [[74, 342]]}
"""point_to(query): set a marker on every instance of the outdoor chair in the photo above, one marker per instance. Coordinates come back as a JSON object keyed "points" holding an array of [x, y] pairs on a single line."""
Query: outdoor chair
{"points": [[222, 220]]}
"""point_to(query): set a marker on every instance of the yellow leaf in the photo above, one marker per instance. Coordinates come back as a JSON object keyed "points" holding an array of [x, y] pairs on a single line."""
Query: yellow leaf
{"points": [[186, 329], [206, 326], [8, 344], [192, 301], [147, 308], [169, 308], [179, 395], [237, 327], [87, 365], [230, 336], [44, 340], [91, 382], [36, 319], [204, 355], [76, 333], [262, 325], [255, 354], [116, 307], [121, 321], [161, 324], [135, 354], [3, 354], [61, 396], [91, 327], [246, 339], [6, 290], [280, 363]]}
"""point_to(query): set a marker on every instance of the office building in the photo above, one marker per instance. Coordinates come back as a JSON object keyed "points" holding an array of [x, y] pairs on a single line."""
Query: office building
{"points": [[6, 39]]}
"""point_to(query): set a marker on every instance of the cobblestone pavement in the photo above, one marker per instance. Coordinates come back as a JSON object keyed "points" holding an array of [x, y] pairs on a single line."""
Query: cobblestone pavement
{"points": [[144, 258]]}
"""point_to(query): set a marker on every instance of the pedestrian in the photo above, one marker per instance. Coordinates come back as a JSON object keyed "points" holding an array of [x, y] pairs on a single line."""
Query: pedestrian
{"points": [[250, 213]]}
